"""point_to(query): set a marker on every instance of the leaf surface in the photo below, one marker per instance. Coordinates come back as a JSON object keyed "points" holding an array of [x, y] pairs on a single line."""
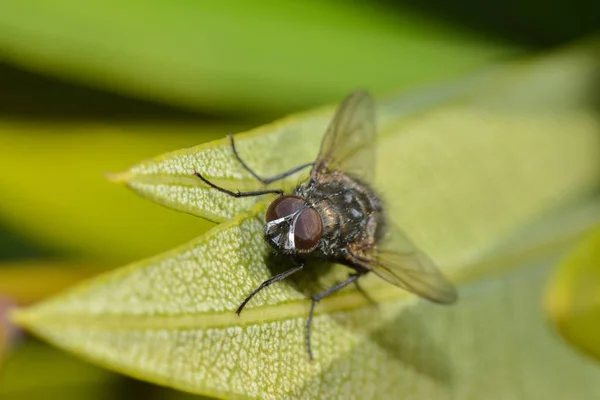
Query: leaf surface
{"points": [[491, 178]]}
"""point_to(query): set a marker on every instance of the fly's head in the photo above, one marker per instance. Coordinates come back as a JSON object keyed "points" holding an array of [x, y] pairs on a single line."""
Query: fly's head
{"points": [[293, 226]]}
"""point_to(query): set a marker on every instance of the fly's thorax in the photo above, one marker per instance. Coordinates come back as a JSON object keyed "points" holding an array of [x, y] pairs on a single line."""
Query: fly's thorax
{"points": [[350, 212]]}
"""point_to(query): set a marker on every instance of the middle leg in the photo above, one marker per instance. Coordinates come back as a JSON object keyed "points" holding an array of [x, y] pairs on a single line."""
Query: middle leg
{"points": [[272, 179]]}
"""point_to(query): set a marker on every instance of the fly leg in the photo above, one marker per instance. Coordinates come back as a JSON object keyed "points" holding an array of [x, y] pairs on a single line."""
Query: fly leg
{"points": [[266, 181], [269, 282], [238, 193], [318, 297]]}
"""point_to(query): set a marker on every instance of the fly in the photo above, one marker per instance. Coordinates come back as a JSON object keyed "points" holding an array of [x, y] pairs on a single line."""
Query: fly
{"points": [[337, 216]]}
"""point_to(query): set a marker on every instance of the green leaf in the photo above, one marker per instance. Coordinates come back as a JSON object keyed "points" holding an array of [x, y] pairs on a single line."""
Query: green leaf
{"points": [[573, 298], [54, 176], [51, 277], [4, 330], [3, 345], [37, 371], [254, 57], [487, 176]]}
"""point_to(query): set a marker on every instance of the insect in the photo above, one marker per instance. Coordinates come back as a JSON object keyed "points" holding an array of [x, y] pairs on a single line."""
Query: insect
{"points": [[337, 216]]}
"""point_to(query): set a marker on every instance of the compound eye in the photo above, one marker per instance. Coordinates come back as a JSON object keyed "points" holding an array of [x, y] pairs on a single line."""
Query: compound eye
{"points": [[308, 229], [284, 206]]}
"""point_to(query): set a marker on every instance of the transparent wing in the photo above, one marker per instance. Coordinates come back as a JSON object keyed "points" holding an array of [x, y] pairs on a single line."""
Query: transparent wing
{"points": [[399, 262], [348, 144]]}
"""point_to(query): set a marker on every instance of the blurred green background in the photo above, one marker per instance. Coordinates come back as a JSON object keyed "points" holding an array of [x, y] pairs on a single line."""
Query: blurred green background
{"points": [[91, 87]]}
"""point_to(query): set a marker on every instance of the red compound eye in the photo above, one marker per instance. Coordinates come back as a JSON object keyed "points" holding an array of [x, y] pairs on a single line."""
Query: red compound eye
{"points": [[308, 229], [284, 206], [309, 225]]}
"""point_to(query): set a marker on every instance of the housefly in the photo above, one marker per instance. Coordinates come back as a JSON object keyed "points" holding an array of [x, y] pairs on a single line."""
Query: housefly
{"points": [[337, 216]]}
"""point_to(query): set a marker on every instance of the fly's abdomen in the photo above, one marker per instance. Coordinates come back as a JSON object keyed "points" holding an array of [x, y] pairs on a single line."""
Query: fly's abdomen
{"points": [[354, 212], [345, 221]]}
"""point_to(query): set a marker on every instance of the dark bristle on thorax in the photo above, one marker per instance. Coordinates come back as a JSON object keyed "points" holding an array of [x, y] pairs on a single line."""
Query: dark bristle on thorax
{"points": [[351, 212]]}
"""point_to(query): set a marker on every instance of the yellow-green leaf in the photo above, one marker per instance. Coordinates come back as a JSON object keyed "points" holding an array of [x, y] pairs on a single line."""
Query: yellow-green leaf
{"points": [[263, 56], [54, 177], [486, 183], [25, 282], [573, 298], [36, 371], [3, 343], [4, 329]]}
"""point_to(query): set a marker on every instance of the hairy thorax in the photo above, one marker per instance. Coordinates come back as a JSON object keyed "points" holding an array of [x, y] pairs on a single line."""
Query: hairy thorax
{"points": [[351, 212]]}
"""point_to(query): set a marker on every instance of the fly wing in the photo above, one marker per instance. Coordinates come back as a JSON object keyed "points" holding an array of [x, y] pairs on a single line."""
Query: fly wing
{"points": [[348, 144], [401, 263]]}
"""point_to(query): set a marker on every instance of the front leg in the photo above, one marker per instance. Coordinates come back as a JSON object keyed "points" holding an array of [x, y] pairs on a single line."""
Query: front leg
{"points": [[269, 282], [238, 193]]}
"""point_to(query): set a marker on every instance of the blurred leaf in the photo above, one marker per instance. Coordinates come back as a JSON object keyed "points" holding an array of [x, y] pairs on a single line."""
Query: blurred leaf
{"points": [[472, 175], [54, 178], [37, 371], [29, 96], [528, 21], [3, 344], [28, 281], [254, 57], [5, 336], [573, 298]]}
